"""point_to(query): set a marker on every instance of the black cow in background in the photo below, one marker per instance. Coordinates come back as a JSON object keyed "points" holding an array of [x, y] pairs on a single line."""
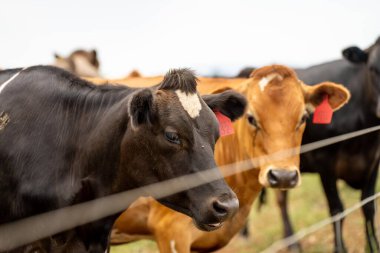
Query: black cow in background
{"points": [[356, 160]]}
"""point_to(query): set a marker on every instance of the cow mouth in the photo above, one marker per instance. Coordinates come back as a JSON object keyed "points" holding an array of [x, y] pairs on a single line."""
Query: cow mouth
{"points": [[208, 226], [198, 223]]}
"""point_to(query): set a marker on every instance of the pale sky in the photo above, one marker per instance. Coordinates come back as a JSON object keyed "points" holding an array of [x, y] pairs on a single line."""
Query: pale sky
{"points": [[207, 36]]}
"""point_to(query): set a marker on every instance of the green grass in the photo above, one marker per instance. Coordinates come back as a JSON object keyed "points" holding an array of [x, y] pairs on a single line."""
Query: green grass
{"points": [[143, 246], [307, 206]]}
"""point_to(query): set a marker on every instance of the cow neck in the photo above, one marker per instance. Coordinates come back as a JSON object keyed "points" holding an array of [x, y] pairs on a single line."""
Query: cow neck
{"points": [[369, 94], [363, 102], [245, 184], [230, 150], [219, 238], [246, 181], [102, 119]]}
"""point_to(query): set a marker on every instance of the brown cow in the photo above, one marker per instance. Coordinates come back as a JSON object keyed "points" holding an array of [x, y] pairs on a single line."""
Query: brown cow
{"points": [[80, 62], [278, 106]]}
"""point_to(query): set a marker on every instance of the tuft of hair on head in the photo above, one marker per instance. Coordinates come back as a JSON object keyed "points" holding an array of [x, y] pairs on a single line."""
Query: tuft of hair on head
{"points": [[280, 70], [182, 79]]}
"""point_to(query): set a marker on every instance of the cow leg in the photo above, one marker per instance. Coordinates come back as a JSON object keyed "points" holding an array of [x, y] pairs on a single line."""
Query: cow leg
{"points": [[245, 231], [262, 199], [172, 244], [335, 206], [369, 212], [282, 202]]}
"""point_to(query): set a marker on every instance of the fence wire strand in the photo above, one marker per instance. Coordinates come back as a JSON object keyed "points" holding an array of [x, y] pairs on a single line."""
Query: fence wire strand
{"points": [[281, 244], [37, 227]]}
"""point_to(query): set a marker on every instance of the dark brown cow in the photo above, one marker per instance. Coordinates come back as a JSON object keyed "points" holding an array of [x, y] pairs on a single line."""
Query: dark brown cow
{"points": [[67, 140]]}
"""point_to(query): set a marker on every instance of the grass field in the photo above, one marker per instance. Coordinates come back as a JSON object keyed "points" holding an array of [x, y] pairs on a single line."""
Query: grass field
{"points": [[307, 206]]}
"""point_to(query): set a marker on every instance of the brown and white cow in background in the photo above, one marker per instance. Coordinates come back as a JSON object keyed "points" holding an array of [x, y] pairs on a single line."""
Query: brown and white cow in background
{"points": [[278, 104], [80, 62]]}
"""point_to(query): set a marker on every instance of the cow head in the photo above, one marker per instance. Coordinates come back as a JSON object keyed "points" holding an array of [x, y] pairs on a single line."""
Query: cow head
{"points": [[80, 62], [278, 107], [173, 132], [370, 60]]}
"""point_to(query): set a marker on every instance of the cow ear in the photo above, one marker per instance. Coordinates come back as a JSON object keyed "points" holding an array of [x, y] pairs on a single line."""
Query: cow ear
{"points": [[246, 72], [229, 102], [141, 108], [355, 55], [338, 95]]}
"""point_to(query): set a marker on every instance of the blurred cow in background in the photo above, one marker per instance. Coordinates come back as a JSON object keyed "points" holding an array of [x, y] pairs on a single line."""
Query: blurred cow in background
{"points": [[134, 73], [80, 62]]}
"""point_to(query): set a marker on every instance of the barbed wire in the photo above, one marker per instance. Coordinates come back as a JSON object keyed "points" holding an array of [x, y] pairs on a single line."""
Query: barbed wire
{"points": [[283, 243], [40, 226]]}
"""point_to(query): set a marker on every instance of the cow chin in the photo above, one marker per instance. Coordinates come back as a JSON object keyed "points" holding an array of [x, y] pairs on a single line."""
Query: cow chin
{"points": [[207, 227], [198, 222], [168, 203]]}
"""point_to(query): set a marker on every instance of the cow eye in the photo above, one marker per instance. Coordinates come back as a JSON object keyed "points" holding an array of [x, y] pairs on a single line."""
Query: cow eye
{"points": [[252, 121], [304, 118], [172, 137]]}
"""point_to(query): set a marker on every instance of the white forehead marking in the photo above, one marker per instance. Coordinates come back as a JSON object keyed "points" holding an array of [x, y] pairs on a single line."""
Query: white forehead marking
{"points": [[190, 103], [267, 79], [172, 246]]}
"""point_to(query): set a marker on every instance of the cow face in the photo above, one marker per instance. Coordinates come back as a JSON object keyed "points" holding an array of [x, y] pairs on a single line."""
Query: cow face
{"points": [[278, 107], [370, 59], [173, 133]]}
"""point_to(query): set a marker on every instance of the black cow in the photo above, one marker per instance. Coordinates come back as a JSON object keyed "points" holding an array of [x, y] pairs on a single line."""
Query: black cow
{"points": [[64, 140], [355, 161]]}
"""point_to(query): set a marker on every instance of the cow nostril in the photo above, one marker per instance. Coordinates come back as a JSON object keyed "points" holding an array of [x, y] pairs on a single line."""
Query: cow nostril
{"points": [[293, 178], [273, 178], [223, 208], [220, 207]]}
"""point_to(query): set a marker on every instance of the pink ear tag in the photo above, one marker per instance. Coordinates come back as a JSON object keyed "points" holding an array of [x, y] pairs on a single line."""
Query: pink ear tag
{"points": [[323, 112], [225, 124]]}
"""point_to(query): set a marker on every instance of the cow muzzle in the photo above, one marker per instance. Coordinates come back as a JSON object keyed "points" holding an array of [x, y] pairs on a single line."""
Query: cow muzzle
{"points": [[219, 209], [283, 179]]}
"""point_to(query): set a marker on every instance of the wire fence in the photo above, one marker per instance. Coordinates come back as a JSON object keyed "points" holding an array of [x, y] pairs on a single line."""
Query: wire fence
{"points": [[37, 227], [284, 243]]}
